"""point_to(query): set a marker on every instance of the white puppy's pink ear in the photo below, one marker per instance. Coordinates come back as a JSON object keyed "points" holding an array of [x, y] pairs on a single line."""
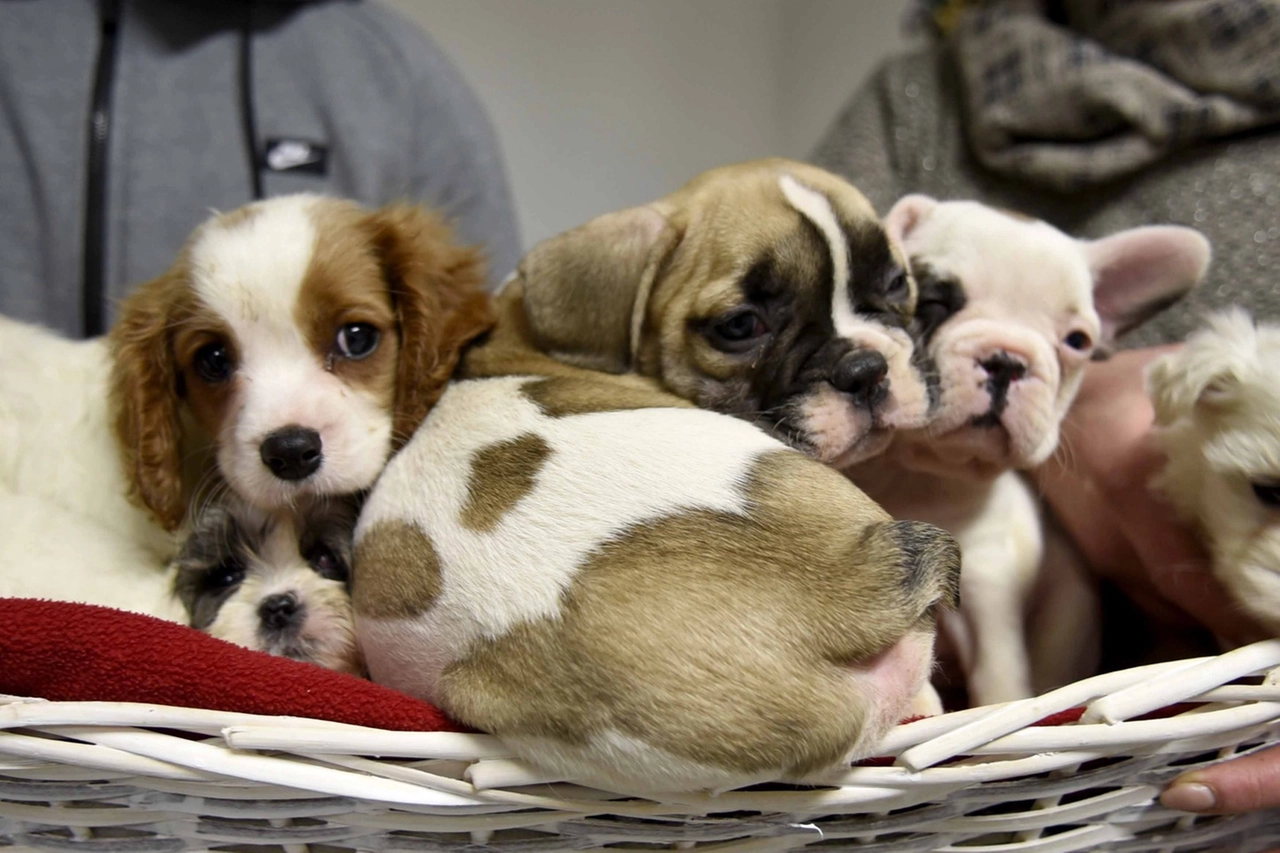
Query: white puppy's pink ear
{"points": [[906, 215], [1138, 272]]}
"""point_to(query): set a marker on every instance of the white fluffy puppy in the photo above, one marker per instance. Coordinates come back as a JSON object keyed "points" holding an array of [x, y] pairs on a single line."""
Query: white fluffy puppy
{"points": [[1218, 404], [61, 482]]}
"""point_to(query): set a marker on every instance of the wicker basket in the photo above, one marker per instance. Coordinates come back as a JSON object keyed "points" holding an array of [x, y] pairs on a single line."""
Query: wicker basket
{"points": [[118, 777]]}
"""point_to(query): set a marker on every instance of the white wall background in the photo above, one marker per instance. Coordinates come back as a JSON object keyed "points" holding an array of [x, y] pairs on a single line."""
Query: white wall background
{"points": [[600, 104]]}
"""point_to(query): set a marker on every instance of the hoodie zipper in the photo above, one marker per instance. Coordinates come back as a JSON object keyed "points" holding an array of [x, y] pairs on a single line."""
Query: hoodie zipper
{"points": [[95, 214]]}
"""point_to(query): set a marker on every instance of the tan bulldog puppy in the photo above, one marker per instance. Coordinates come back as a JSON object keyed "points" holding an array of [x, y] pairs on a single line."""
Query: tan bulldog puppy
{"points": [[767, 290]]}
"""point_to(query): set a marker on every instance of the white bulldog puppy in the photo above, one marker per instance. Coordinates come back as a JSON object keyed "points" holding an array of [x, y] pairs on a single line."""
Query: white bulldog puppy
{"points": [[1010, 310]]}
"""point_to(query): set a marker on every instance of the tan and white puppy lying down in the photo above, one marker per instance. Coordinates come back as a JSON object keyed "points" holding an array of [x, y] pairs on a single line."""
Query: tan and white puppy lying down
{"points": [[1218, 405], [1011, 310], [633, 592]]}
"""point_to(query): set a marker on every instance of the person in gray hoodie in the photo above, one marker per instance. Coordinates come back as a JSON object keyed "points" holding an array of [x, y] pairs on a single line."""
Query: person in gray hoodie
{"points": [[124, 122]]}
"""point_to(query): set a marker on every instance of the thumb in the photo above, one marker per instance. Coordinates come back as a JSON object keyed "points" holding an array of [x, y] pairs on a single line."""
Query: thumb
{"points": [[1240, 785]]}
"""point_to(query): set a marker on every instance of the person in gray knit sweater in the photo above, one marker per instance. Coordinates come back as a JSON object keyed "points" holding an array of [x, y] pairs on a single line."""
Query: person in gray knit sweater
{"points": [[1095, 116], [125, 121]]}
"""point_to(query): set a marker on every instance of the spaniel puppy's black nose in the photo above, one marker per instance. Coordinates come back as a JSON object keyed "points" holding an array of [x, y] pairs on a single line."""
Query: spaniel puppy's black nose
{"points": [[278, 611], [292, 452], [861, 374]]}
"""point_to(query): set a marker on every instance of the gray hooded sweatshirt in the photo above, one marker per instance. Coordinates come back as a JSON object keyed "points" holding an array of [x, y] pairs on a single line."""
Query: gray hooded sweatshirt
{"points": [[339, 97]]}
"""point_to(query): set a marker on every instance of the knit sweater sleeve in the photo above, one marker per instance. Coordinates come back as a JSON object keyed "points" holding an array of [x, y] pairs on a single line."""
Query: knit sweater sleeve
{"points": [[866, 142]]}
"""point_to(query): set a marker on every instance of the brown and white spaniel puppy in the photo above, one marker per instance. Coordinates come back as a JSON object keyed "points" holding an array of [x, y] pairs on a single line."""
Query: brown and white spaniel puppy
{"points": [[300, 339], [292, 346]]}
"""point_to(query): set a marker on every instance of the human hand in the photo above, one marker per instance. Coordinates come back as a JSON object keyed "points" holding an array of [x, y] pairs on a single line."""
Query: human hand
{"points": [[1240, 785], [1098, 484]]}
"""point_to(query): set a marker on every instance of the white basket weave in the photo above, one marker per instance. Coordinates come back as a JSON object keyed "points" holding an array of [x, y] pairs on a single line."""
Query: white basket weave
{"points": [[90, 776]]}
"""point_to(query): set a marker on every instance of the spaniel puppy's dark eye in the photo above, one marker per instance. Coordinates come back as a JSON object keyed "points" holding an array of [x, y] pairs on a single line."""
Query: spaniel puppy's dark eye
{"points": [[356, 341], [213, 363], [738, 331], [1078, 341], [327, 563], [224, 576], [1267, 492]]}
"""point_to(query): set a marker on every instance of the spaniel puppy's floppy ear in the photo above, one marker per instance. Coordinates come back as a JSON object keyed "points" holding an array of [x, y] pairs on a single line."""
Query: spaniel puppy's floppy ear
{"points": [[586, 290], [145, 398], [437, 288]]}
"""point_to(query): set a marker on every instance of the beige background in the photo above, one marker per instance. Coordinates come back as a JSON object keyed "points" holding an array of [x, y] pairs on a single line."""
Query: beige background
{"points": [[600, 104]]}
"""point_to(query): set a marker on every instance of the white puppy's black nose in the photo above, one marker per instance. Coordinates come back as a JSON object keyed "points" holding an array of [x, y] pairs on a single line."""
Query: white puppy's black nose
{"points": [[1003, 369], [278, 611], [861, 374], [292, 452]]}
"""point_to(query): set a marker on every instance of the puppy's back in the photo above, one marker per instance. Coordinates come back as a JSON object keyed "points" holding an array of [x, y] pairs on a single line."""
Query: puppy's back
{"points": [[641, 597]]}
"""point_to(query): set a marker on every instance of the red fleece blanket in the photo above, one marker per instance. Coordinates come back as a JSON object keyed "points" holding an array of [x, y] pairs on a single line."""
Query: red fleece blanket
{"points": [[81, 652]]}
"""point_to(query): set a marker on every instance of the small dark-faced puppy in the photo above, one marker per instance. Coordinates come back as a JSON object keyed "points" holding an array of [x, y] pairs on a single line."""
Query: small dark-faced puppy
{"points": [[273, 581], [767, 290]]}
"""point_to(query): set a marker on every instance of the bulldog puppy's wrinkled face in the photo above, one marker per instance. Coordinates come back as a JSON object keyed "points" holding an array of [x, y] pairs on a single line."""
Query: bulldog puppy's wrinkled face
{"points": [[767, 290], [1219, 406], [1010, 311]]}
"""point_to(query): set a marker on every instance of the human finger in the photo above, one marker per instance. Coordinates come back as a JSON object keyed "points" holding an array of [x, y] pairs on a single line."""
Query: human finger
{"points": [[1240, 785]]}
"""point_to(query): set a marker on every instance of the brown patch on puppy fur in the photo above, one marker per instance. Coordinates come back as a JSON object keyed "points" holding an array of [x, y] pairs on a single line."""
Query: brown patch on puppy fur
{"points": [[437, 288], [344, 284], [789, 671], [408, 580], [502, 474], [562, 396]]}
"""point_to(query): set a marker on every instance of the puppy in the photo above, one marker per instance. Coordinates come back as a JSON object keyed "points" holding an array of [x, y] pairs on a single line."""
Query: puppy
{"points": [[1010, 311], [301, 339], [276, 582], [633, 592], [766, 290], [293, 344], [67, 526], [1218, 410]]}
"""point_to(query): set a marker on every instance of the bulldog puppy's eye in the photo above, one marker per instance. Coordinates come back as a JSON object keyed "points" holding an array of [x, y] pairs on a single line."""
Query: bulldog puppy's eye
{"points": [[930, 314], [1078, 341], [224, 576], [213, 363], [356, 341], [1267, 492], [738, 331], [897, 286], [327, 563]]}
